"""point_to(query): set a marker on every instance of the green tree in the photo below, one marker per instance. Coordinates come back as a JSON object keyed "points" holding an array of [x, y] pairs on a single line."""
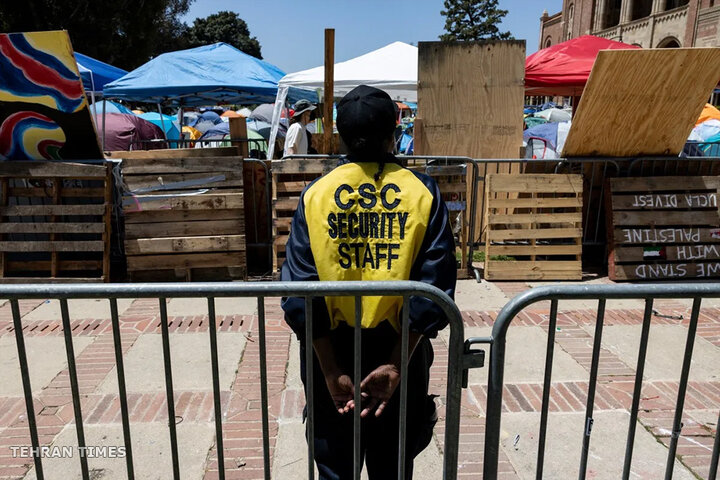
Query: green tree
{"points": [[471, 20], [124, 33], [225, 27]]}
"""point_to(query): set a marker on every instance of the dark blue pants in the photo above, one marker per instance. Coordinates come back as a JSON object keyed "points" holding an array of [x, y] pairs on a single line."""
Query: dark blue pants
{"points": [[379, 442]]}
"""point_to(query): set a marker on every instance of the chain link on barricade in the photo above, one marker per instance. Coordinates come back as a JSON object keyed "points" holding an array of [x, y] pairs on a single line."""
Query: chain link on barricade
{"points": [[458, 359]]}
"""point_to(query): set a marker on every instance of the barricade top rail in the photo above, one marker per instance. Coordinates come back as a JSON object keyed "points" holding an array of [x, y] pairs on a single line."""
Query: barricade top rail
{"points": [[597, 292]]}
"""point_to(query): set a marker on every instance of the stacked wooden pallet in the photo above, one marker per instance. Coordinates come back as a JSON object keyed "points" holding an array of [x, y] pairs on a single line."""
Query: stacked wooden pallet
{"points": [[536, 220], [662, 228], [289, 178], [184, 216], [54, 222]]}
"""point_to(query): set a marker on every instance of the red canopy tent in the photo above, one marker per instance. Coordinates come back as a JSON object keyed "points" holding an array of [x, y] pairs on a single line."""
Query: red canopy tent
{"points": [[564, 69]]}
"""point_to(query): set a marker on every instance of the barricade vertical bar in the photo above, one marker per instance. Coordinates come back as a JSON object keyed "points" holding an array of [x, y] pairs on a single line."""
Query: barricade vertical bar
{"points": [[715, 453], [546, 388], [682, 388], [263, 387], [27, 388], [309, 386], [72, 373], [638, 387], [169, 395], [597, 342], [357, 378], [120, 367], [404, 347], [212, 329]]}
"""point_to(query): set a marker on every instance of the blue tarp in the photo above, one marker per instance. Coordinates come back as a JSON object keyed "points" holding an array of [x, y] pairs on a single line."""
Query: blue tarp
{"points": [[165, 123], [110, 107], [95, 74], [212, 74]]}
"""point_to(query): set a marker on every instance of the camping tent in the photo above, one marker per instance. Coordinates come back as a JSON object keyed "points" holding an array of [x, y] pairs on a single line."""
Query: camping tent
{"points": [[165, 122], [393, 68], [125, 131], [95, 74], [564, 69], [217, 73]]}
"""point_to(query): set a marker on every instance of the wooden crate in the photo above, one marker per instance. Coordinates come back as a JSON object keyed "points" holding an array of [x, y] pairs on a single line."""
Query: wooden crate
{"points": [[536, 220], [662, 228], [289, 178], [55, 221], [183, 216]]}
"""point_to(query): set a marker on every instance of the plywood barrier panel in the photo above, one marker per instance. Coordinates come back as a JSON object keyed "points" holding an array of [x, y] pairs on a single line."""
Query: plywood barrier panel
{"points": [[469, 96], [642, 102], [663, 228], [534, 227]]}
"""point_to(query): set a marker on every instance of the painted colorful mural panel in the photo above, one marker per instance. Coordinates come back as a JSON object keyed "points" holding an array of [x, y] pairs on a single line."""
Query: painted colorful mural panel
{"points": [[44, 114]]}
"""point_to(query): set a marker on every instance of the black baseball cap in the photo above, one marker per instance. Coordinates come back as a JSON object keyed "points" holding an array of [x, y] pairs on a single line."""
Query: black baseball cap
{"points": [[366, 113]]}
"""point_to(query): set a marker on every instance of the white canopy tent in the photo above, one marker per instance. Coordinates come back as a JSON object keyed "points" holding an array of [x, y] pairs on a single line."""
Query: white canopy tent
{"points": [[393, 68]]}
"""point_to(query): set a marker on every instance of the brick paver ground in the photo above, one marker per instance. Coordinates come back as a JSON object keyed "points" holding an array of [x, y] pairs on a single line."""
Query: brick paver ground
{"points": [[241, 397]]}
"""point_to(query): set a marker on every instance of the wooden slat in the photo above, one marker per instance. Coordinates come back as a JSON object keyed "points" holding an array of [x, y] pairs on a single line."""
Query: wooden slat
{"points": [[47, 192], [291, 187], [445, 170], [286, 203], [52, 227], [551, 183], [562, 202], [175, 153], [185, 229], [56, 246], [684, 253], [283, 223], [706, 218], [33, 169], [452, 187], [63, 265], [215, 243], [194, 202], [660, 236], [59, 210], [663, 184], [544, 270], [198, 260], [36, 280], [626, 104], [300, 165], [166, 216], [535, 218], [665, 201], [667, 271], [175, 181], [139, 166], [527, 234], [518, 250]]}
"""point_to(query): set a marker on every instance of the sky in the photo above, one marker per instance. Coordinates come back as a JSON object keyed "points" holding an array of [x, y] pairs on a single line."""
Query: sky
{"points": [[291, 32]]}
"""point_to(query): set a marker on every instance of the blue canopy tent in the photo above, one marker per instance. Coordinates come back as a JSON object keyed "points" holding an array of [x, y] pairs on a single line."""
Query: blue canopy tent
{"points": [[95, 74], [212, 74]]}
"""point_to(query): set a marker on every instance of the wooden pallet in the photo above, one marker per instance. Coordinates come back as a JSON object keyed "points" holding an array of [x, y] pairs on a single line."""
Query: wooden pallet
{"points": [[662, 228], [183, 215], [289, 179], [536, 220], [55, 221]]}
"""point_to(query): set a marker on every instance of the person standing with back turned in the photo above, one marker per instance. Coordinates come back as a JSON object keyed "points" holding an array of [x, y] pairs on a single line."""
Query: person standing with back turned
{"points": [[369, 219]]}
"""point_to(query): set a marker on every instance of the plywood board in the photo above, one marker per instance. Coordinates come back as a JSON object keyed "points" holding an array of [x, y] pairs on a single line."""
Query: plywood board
{"points": [[469, 96], [645, 102], [663, 228]]}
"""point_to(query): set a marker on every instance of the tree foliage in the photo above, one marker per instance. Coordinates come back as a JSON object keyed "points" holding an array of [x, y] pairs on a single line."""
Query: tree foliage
{"points": [[225, 27], [471, 20], [125, 33]]}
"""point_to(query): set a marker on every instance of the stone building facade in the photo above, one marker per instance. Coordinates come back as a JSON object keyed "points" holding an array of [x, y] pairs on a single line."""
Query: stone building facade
{"points": [[646, 23]]}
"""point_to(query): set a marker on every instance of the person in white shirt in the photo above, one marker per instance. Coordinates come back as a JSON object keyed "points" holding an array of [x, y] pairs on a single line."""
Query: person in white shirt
{"points": [[296, 139]]}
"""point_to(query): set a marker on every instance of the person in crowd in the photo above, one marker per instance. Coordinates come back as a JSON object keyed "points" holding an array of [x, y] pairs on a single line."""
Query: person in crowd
{"points": [[296, 139], [369, 219]]}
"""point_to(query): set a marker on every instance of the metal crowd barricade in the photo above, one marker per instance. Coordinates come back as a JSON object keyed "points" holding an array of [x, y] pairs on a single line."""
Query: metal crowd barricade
{"points": [[601, 293], [459, 359]]}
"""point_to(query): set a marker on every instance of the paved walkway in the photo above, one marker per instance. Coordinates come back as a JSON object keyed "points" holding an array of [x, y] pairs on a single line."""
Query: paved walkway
{"points": [[239, 379]]}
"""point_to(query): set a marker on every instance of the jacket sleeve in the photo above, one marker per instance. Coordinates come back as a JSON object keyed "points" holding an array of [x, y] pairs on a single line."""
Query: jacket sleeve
{"points": [[435, 264], [299, 266]]}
